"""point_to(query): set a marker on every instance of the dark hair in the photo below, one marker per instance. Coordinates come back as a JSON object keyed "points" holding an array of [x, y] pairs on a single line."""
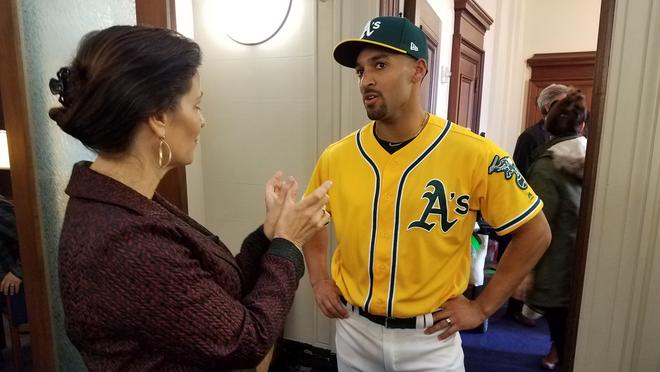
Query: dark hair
{"points": [[566, 116], [120, 76]]}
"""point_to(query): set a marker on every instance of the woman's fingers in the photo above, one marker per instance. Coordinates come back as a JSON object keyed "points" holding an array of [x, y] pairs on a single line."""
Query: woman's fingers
{"points": [[273, 185], [275, 181], [292, 192], [318, 198]]}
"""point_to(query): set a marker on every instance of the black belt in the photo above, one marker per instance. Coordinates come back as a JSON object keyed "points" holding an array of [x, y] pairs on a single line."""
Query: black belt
{"points": [[385, 321]]}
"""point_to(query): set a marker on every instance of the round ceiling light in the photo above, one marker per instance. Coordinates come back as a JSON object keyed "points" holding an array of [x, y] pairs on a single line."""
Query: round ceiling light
{"points": [[252, 22]]}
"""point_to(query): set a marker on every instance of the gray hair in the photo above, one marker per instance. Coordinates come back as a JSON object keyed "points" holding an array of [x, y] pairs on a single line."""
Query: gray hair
{"points": [[550, 94]]}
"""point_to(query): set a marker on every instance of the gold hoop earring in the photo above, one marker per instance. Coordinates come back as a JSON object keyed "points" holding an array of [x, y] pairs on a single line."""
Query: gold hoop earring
{"points": [[161, 157]]}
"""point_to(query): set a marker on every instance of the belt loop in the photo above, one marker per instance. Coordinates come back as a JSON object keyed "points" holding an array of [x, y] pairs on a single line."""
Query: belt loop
{"points": [[428, 320], [420, 322], [349, 306]]}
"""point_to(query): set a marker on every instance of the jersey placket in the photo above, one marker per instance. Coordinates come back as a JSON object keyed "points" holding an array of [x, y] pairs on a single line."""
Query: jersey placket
{"points": [[390, 173]]}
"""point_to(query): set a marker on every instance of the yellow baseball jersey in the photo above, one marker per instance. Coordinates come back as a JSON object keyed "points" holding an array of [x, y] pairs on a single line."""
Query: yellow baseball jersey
{"points": [[403, 221]]}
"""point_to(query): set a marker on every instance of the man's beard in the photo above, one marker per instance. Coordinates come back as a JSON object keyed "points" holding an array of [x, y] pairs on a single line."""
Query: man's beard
{"points": [[377, 113]]}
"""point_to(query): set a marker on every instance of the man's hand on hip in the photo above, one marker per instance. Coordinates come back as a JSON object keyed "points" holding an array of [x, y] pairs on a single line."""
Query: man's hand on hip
{"points": [[327, 297], [454, 315]]}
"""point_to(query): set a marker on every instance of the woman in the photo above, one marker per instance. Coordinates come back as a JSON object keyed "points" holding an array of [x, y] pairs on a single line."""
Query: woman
{"points": [[556, 176], [145, 287]]}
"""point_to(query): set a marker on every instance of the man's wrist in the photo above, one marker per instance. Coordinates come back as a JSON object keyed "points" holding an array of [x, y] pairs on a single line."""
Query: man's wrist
{"points": [[484, 309]]}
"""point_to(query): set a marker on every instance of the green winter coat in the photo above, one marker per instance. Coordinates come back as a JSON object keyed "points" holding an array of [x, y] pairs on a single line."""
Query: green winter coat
{"points": [[556, 176]]}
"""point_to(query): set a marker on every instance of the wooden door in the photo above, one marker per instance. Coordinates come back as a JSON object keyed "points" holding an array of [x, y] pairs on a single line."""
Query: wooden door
{"points": [[422, 14], [469, 87], [470, 25], [572, 69]]}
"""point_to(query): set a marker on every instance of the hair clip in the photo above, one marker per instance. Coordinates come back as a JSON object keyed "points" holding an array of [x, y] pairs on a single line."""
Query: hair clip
{"points": [[59, 86]]}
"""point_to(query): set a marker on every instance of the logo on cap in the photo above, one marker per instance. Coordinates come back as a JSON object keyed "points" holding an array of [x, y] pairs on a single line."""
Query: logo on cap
{"points": [[369, 28], [414, 47]]}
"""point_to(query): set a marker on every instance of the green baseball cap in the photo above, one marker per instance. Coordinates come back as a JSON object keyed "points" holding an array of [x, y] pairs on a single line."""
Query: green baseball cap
{"points": [[394, 33]]}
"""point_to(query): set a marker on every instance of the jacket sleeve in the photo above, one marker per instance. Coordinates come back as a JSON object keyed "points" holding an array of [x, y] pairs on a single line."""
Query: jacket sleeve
{"points": [[524, 152], [250, 257], [541, 179], [161, 293]]}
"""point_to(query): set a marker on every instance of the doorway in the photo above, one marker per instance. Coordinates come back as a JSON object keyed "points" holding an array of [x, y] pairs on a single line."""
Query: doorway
{"points": [[23, 194]]}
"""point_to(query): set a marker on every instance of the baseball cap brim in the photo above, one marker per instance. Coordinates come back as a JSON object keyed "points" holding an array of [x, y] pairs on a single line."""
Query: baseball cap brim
{"points": [[347, 51]]}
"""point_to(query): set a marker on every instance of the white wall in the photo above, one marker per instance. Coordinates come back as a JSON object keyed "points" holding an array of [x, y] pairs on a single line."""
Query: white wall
{"points": [[259, 103], [490, 7], [445, 10], [561, 26], [504, 73], [260, 107]]}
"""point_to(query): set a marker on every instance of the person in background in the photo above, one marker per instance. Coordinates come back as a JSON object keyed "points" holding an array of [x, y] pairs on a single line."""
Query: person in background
{"points": [[536, 135], [556, 175], [144, 286], [523, 154], [11, 270]]}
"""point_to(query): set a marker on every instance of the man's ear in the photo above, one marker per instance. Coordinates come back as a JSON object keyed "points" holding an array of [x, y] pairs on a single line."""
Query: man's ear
{"points": [[421, 69], [157, 123]]}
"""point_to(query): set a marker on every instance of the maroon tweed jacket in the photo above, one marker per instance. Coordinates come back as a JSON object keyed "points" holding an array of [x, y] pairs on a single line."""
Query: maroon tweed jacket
{"points": [[146, 288]]}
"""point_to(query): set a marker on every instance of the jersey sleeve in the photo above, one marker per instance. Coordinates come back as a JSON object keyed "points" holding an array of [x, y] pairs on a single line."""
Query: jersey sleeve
{"points": [[507, 200], [320, 174]]}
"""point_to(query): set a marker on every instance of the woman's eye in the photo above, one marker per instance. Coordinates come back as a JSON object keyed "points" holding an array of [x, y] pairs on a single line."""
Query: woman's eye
{"points": [[380, 65]]}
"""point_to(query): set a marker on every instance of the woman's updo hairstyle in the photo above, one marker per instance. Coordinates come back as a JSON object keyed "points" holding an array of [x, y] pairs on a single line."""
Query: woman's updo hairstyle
{"points": [[121, 76], [566, 116]]}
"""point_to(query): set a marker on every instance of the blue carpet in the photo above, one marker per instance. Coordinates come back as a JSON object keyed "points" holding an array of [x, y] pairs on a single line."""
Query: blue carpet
{"points": [[507, 346]]}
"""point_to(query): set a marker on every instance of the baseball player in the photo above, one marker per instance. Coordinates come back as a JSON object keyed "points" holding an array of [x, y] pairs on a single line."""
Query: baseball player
{"points": [[406, 191]]}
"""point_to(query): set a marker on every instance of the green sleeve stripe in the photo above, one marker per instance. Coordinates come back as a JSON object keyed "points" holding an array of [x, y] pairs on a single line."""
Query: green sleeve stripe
{"points": [[520, 217]]}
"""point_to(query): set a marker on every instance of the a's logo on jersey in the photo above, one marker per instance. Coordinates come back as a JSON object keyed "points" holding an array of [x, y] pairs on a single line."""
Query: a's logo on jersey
{"points": [[505, 165], [437, 204]]}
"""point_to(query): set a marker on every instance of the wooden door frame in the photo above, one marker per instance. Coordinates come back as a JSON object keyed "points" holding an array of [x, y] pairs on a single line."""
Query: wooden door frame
{"points": [[162, 13], [603, 50], [17, 122]]}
